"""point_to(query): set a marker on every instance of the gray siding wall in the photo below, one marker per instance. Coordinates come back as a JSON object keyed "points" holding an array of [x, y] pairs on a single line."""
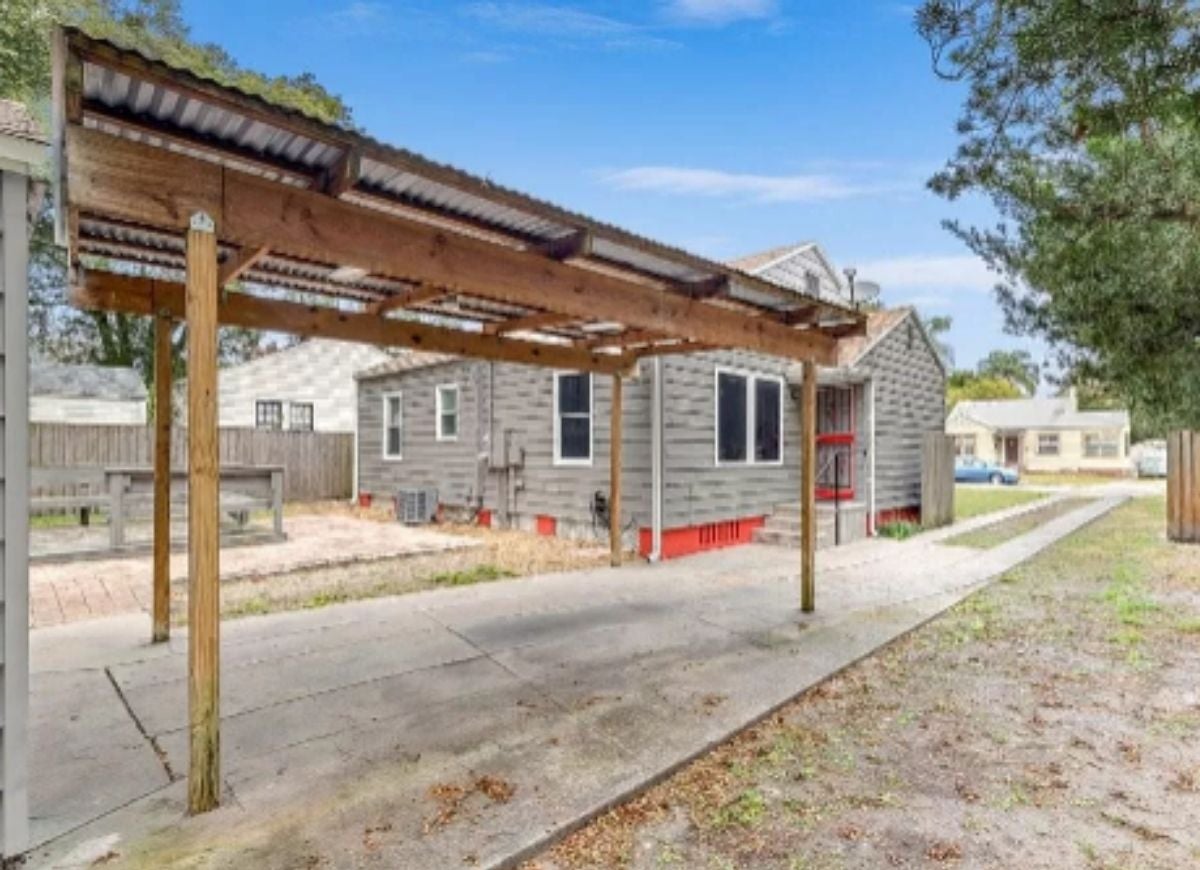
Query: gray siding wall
{"points": [[910, 400], [451, 467], [14, 516], [524, 409], [696, 489]]}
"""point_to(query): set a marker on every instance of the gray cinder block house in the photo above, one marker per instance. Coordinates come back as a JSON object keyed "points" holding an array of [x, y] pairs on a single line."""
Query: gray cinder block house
{"points": [[710, 439]]}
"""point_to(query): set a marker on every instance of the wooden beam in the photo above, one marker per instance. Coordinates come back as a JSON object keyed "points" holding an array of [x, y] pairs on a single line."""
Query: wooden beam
{"points": [[808, 488], [528, 323], [621, 339], [132, 181], [161, 630], [106, 291], [676, 347], [576, 244], [802, 316], [407, 299], [343, 175], [204, 617], [717, 285], [614, 474], [240, 263]]}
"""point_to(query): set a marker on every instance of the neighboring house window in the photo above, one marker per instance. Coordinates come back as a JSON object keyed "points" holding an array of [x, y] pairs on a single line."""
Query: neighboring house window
{"points": [[393, 425], [302, 416], [268, 414], [447, 412], [749, 418], [572, 418], [964, 446], [1101, 445], [836, 438], [1047, 445]]}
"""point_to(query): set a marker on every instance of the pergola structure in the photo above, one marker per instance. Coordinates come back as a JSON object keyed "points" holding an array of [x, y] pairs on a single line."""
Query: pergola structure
{"points": [[186, 200]]}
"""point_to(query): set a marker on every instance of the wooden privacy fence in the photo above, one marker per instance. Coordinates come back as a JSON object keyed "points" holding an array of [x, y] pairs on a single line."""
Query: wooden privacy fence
{"points": [[1183, 487], [937, 480], [317, 465]]}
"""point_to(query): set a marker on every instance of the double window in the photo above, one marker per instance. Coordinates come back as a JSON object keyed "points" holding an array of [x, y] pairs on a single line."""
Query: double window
{"points": [[1102, 445], [302, 417], [749, 418], [964, 446], [393, 425], [268, 414], [572, 418], [1047, 444], [447, 412]]}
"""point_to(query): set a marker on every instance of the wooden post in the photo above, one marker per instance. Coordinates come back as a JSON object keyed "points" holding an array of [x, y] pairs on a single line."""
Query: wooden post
{"points": [[1183, 486], [614, 471], [808, 488], [204, 773], [162, 480]]}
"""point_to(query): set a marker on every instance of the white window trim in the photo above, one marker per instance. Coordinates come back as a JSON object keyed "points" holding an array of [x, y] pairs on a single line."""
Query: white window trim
{"points": [[1057, 451], [437, 401], [312, 407], [558, 458], [752, 377], [387, 397]]}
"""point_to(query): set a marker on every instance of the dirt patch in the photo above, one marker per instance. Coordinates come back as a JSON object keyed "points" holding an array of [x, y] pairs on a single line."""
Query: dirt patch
{"points": [[501, 555], [1051, 720]]}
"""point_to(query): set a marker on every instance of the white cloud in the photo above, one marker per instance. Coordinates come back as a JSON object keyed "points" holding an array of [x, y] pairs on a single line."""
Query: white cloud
{"points": [[811, 187], [926, 272], [357, 18], [563, 22], [721, 11]]}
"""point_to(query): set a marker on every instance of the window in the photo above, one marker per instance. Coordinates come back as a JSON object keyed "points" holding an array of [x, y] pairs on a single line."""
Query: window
{"points": [[447, 413], [1101, 445], [393, 426], [268, 415], [749, 418], [1047, 445], [572, 418], [964, 446], [302, 416]]}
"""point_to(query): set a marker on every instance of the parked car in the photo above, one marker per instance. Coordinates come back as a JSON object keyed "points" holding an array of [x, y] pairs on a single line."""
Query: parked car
{"points": [[1151, 458], [971, 470]]}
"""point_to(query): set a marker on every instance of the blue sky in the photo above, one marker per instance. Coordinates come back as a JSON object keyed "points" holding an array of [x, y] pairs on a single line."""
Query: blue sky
{"points": [[722, 126]]}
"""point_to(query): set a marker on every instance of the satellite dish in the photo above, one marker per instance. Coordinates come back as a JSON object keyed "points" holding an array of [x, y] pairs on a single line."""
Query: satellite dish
{"points": [[865, 291]]}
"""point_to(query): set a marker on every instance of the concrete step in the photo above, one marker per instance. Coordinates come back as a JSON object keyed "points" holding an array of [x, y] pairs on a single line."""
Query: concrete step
{"points": [[790, 537]]}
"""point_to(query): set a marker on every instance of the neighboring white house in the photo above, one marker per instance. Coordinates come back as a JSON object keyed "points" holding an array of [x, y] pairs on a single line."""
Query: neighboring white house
{"points": [[306, 387], [1042, 434], [74, 393]]}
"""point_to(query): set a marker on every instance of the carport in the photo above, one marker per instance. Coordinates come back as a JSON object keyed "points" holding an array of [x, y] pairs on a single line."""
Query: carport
{"points": [[185, 200]]}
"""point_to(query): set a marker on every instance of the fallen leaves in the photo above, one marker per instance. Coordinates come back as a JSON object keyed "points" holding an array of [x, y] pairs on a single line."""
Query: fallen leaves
{"points": [[451, 797]]}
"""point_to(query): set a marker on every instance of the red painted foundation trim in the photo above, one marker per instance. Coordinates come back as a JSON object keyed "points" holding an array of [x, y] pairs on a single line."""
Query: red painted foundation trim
{"points": [[484, 518], [898, 515], [546, 526], [685, 540]]}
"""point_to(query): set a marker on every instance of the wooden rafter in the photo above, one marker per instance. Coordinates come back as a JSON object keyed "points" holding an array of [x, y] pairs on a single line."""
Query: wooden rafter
{"points": [[407, 299], [131, 181], [529, 323], [621, 339], [238, 264], [577, 244], [105, 291]]}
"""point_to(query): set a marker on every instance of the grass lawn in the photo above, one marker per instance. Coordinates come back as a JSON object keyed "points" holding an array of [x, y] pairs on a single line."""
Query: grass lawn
{"points": [[1050, 720], [971, 501], [997, 533], [1067, 478]]}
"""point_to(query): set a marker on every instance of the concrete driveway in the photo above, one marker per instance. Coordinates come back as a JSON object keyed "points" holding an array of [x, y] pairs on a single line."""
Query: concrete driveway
{"points": [[459, 727]]}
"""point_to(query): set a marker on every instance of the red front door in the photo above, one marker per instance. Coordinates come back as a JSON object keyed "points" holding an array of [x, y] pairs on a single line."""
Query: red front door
{"points": [[835, 443]]}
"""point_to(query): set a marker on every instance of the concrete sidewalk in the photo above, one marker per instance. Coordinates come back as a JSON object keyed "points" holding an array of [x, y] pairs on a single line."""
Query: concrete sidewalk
{"points": [[390, 732]]}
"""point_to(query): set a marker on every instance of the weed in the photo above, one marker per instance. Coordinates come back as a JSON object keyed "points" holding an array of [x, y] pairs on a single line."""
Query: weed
{"points": [[744, 811], [900, 530], [470, 576]]}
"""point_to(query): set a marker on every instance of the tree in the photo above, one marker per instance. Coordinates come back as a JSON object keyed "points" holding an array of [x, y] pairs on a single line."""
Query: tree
{"points": [[1082, 125], [967, 385], [157, 27], [936, 327], [1015, 366]]}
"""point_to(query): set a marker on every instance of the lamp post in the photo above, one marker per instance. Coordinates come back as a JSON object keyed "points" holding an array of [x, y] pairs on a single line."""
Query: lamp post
{"points": [[850, 272]]}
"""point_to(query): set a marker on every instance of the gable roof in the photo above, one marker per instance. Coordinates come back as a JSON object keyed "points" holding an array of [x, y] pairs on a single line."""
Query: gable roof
{"points": [[879, 324], [80, 381], [791, 265], [1038, 413], [16, 121], [407, 362]]}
